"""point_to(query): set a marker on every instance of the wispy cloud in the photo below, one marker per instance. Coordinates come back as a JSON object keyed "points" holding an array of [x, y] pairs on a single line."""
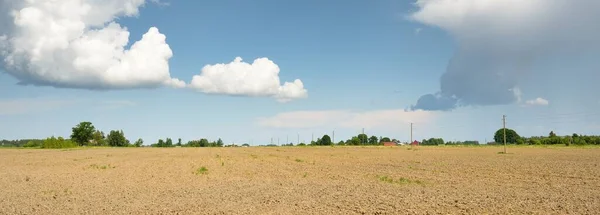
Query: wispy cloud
{"points": [[160, 3], [37, 105], [347, 119], [32, 105], [537, 102]]}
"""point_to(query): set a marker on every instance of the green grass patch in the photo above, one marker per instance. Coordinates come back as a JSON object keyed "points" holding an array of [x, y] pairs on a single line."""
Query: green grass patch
{"points": [[299, 160], [201, 171]]}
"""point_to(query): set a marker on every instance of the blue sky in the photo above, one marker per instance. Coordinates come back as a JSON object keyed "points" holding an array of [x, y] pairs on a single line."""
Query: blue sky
{"points": [[363, 64]]}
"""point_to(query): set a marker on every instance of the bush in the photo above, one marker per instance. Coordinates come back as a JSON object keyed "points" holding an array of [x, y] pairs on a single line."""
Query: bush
{"points": [[32, 144], [57, 143]]}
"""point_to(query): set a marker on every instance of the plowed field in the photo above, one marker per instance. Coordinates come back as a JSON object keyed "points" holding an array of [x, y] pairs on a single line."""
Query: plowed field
{"points": [[286, 180]]}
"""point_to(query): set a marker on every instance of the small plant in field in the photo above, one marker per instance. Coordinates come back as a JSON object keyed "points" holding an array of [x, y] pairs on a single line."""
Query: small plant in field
{"points": [[299, 161], [222, 163], [305, 174], [401, 181], [218, 156], [96, 166], [201, 171], [254, 156]]}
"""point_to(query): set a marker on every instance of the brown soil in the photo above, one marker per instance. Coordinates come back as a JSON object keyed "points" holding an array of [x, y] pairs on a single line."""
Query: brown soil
{"points": [[327, 180]]}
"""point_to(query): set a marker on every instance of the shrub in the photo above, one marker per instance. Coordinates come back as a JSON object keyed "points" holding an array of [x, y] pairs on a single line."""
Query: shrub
{"points": [[57, 143], [32, 144]]}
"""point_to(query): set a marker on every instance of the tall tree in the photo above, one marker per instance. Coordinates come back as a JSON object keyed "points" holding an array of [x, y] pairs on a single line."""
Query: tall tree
{"points": [[326, 140], [220, 143], [385, 139], [139, 143], [363, 138], [373, 140], [552, 134], [179, 142], [83, 133], [511, 136], [116, 139], [98, 138], [169, 142]]}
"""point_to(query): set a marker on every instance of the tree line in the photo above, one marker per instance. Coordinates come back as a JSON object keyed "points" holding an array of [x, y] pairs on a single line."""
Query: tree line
{"points": [[85, 134]]}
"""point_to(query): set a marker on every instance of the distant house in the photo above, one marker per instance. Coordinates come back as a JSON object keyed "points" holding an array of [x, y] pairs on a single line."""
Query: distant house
{"points": [[415, 143], [389, 144]]}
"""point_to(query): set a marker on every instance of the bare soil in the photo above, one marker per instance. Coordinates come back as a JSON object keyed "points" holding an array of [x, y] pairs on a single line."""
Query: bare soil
{"points": [[287, 180]]}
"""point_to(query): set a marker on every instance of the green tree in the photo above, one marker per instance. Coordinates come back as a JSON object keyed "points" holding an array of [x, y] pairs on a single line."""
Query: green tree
{"points": [[98, 138], [117, 139], [139, 143], [373, 140], [169, 142], [204, 142], [179, 142], [219, 143], [511, 136], [83, 133], [363, 139], [385, 139], [552, 134], [354, 141], [326, 140]]}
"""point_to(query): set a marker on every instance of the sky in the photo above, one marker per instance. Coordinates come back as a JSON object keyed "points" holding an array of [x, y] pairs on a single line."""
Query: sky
{"points": [[256, 71]]}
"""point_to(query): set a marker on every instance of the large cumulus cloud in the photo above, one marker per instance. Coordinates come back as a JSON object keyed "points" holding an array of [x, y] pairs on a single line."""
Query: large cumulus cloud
{"points": [[78, 44], [499, 41]]}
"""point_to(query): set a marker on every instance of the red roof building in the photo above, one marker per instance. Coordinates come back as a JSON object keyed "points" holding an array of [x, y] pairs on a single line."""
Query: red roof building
{"points": [[415, 143]]}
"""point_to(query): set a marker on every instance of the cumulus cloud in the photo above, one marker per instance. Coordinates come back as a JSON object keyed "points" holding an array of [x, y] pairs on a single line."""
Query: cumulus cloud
{"points": [[346, 119], [78, 44], [238, 78], [537, 102], [499, 41]]}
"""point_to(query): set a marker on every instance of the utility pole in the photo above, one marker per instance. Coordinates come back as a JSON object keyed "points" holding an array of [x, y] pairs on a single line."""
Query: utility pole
{"points": [[312, 138], [361, 140], [411, 133], [504, 129], [287, 139], [333, 137], [297, 143]]}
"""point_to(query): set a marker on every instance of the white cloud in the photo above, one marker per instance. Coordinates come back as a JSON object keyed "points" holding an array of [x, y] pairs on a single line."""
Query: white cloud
{"points": [[501, 41], [381, 119], [261, 78], [77, 44], [537, 102]]}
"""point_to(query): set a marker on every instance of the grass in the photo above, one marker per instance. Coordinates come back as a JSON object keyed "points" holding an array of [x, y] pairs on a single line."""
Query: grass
{"points": [[201, 171], [96, 166], [305, 174], [299, 160], [401, 181], [254, 156]]}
